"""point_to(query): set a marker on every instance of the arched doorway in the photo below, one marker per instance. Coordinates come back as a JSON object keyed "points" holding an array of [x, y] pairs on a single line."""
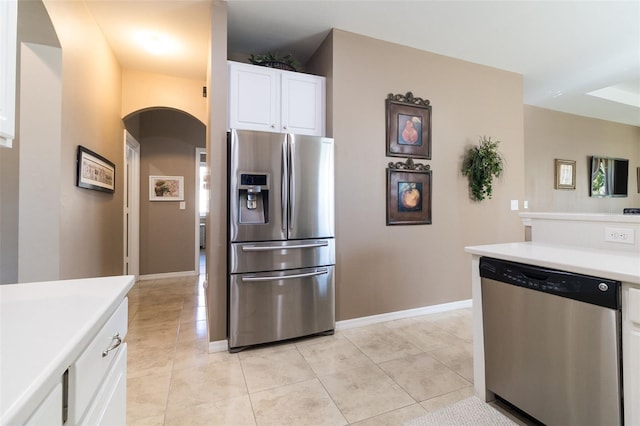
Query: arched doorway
{"points": [[168, 226]]}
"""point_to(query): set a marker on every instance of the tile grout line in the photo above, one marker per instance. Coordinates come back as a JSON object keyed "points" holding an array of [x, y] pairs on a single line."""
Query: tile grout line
{"points": [[173, 362]]}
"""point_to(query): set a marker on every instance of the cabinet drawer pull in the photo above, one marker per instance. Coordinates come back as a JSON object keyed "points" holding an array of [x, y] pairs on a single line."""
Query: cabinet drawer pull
{"points": [[118, 342]]}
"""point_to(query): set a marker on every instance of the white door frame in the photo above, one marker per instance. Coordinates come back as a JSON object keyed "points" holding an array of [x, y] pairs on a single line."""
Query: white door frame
{"points": [[199, 152], [131, 205]]}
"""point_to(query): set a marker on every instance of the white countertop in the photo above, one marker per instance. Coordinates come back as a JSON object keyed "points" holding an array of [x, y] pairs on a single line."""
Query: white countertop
{"points": [[616, 265], [43, 328]]}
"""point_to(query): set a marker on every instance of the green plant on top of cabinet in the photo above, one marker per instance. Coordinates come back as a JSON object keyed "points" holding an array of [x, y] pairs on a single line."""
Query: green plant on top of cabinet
{"points": [[274, 60], [480, 165]]}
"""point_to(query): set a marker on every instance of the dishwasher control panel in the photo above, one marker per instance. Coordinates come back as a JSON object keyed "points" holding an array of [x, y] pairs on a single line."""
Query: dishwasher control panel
{"points": [[585, 288]]}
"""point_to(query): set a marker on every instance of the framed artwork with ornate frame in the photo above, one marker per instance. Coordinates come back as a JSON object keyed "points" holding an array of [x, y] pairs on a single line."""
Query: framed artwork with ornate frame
{"points": [[565, 174], [408, 126], [408, 194]]}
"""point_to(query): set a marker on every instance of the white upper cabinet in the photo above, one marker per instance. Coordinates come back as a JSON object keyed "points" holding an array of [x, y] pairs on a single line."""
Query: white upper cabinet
{"points": [[267, 99], [8, 31], [303, 103]]}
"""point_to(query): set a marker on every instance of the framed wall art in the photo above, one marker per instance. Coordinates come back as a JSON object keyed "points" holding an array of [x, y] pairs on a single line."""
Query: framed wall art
{"points": [[95, 172], [408, 126], [408, 194], [565, 174], [166, 188]]}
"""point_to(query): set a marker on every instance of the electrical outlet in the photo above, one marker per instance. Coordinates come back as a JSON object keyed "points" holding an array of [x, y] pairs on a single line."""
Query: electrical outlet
{"points": [[619, 235]]}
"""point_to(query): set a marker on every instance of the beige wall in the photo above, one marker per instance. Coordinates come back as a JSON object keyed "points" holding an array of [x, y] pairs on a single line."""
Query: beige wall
{"points": [[34, 27], [168, 140], [90, 225], [550, 135], [390, 268], [142, 90], [91, 235], [40, 144]]}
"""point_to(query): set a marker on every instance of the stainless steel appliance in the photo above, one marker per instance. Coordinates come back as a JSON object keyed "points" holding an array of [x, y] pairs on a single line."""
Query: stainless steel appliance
{"points": [[552, 342], [281, 252]]}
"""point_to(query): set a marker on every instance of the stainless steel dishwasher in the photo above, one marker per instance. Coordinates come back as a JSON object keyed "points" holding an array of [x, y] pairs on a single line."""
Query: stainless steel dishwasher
{"points": [[552, 343]]}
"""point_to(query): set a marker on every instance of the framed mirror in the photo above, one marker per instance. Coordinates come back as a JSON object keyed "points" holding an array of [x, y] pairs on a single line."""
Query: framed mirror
{"points": [[609, 177]]}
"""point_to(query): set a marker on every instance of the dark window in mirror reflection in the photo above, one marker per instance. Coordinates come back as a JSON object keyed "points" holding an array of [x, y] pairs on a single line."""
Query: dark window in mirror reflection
{"points": [[609, 177]]}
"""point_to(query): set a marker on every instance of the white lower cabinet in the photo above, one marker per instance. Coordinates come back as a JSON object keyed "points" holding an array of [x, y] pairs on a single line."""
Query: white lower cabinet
{"points": [[631, 353], [67, 364], [96, 382], [49, 412], [97, 379]]}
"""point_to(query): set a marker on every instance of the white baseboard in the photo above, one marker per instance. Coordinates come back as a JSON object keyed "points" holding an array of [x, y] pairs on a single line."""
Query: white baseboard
{"points": [[390, 316], [218, 346], [223, 345], [179, 274]]}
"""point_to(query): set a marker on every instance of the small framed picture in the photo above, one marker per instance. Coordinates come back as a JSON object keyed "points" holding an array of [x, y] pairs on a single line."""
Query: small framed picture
{"points": [[408, 197], [408, 126], [95, 172], [166, 188], [565, 174]]}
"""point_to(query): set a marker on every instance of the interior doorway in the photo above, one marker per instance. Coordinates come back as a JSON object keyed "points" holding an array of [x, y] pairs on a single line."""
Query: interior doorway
{"points": [[202, 197], [132, 206]]}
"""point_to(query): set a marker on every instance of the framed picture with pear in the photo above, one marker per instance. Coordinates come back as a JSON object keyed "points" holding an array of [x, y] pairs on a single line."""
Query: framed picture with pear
{"points": [[408, 126]]}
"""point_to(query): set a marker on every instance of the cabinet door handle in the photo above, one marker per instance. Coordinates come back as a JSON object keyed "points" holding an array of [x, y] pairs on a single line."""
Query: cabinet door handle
{"points": [[118, 342]]}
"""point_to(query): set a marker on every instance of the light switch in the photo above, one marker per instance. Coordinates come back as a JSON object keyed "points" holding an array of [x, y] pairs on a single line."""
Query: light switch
{"points": [[525, 204], [183, 205], [514, 205]]}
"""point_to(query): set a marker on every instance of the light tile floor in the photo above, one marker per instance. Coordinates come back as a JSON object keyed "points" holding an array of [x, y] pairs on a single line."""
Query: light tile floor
{"points": [[380, 374]]}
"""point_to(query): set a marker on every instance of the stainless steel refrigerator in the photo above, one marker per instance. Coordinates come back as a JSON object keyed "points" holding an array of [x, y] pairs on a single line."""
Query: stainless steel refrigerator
{"points": [[281, 252]]}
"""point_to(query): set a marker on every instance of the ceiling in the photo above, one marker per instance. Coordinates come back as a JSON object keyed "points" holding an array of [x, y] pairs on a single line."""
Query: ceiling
{"points": [[563, 49]]}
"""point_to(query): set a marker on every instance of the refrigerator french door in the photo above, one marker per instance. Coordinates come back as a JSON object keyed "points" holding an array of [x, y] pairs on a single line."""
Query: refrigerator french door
{"points": [[281, 237]]}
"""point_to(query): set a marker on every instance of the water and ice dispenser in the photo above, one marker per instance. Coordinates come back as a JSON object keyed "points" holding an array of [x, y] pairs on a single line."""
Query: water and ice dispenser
{"points": [[253, 193]]}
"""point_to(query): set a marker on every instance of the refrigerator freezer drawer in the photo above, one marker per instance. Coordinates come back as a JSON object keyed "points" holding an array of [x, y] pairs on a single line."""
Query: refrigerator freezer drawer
{"points": [[272, 306], [278, 255]]}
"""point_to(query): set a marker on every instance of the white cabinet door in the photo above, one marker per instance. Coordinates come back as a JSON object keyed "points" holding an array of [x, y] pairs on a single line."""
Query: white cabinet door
{"points": [[8, 31], [89, 370], [303, 103], [254, 98], [110, 405]]}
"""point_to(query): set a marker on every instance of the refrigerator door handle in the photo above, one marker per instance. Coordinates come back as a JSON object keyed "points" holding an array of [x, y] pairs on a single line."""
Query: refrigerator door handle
{"points": [[273, 248], [286, 277], [292, 183], [284, 172]]}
